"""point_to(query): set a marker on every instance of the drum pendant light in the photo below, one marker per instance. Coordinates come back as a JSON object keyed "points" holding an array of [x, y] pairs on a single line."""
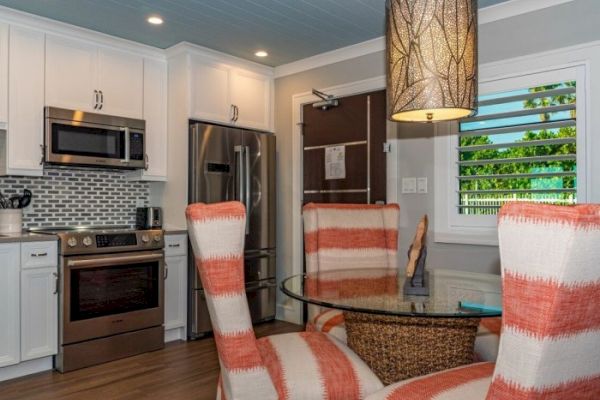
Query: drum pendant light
{"points": [[431, 48]]}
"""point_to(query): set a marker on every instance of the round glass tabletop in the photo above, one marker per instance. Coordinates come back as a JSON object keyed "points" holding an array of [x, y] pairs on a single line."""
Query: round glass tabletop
{"points": [[380, 291]]}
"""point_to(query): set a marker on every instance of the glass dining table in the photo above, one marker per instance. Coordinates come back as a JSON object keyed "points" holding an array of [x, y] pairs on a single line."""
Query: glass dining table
{"points": [[402, 336]]}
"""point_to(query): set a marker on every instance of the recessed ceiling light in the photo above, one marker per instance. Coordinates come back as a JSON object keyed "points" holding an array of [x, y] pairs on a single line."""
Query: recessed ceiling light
{"points": [[155, 20], [261, 53]]}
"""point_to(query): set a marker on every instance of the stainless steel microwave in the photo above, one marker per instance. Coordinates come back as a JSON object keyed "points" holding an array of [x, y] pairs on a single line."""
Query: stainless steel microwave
{"points": [[88, 139]]}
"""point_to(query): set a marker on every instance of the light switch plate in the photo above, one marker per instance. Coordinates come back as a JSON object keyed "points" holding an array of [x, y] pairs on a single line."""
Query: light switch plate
{"points": [[422, 185], [409, 185]]}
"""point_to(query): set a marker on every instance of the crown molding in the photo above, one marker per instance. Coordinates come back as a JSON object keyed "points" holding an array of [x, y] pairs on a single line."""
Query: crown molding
{"points": [[217, 56], [513, 8], [486, 15], [53, 27]]}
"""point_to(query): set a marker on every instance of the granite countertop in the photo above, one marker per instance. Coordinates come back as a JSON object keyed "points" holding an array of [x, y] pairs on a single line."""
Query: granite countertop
{"points": [[26, 237]]}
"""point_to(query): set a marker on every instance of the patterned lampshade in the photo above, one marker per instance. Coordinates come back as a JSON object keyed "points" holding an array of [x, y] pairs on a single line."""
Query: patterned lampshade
{"points": [[431, 59]]}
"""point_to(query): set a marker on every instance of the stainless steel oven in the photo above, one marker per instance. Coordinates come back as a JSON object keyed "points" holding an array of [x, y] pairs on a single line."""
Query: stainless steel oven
{"points": [[90, 139], [111, 294]]}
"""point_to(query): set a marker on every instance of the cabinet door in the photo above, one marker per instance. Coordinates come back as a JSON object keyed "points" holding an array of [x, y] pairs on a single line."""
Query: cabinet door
{"points": [[155, 114], [9, 304], [210, 91], [71, 76], [3, 73], [175, 292], [251, 93], [121, 82], [39, 312], [26, 102]]}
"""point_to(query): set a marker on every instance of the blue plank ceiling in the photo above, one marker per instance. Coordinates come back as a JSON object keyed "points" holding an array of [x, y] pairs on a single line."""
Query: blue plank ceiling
{"points": [[288, 29]]}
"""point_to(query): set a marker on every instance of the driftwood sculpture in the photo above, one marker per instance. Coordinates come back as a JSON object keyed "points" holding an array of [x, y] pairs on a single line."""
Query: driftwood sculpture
{"points": [[416, 277]]}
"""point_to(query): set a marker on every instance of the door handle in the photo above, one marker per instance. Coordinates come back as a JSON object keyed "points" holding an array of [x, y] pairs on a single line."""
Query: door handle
{"points": [[55, 282], [232, 113], [127, 149], [96, 100], [146, 162], [110, 261], [101, 100], [237, 112]]}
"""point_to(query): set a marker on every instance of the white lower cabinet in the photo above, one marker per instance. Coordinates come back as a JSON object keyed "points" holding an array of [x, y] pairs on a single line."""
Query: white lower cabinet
{"points": [[39, 312], [9, 304], [28, 310], [175, 287]]}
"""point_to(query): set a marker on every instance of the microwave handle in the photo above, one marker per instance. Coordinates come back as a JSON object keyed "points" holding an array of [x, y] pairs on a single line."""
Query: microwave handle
{"points": [[127, 144]]}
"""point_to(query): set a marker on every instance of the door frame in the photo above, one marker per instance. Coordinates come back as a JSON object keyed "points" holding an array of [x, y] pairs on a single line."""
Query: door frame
{"points": [[292, 310]]}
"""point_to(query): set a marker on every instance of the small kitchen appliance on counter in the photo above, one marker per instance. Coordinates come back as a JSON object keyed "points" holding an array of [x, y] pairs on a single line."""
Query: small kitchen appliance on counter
{"points": [[111, 293], [148, 218]]}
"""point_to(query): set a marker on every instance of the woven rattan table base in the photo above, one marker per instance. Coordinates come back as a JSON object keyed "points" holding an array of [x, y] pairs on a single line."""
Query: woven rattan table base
{"points": [[398, 348]]}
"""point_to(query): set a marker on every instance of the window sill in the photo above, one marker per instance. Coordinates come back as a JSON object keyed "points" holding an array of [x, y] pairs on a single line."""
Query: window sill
{"points": [[481, 238]]}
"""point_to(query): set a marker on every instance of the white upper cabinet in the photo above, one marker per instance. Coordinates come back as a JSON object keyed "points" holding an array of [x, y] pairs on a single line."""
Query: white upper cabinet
{"points": [[155, 114], [231, 95], [210, 91], [121, 83], [250, 95], [3, 74], [25, 102], [71, 74], [81, 76]]}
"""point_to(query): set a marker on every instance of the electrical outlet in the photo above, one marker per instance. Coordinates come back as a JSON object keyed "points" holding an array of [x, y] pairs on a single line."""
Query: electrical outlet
{"points": [[409, 185], [422, 185]]}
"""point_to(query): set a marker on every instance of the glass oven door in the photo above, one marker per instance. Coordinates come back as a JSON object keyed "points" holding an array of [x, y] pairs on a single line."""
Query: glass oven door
{"points": [[110, 294]]}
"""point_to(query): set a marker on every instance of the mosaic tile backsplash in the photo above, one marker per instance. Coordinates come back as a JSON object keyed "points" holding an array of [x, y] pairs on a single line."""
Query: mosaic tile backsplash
{"points": [[78, 197]]}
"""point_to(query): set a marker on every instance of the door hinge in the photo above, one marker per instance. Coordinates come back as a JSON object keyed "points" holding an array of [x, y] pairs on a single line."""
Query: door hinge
{"points": [[387, 147]]}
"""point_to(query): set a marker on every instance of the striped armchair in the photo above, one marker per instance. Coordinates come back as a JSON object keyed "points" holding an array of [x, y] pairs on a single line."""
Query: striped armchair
{"points": [[550, 343], [307, 365], [345, 236]]}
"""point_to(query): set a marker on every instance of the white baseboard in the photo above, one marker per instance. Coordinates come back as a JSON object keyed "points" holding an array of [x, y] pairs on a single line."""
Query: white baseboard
{"points": [[174, 334], [289, 314], [26, 368]]}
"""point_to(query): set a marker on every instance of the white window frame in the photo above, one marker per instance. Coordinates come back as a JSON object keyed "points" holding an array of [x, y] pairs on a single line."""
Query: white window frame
{"points": [[452, 227]]}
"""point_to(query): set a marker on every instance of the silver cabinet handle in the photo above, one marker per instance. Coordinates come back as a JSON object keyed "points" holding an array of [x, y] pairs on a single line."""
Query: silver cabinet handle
{"points": [[175, 245], [237, 112], [43, 148], [127, 144], [101, 100], [39, 254], [232, 112], [166, 273], [96, 100], [55, 282]]}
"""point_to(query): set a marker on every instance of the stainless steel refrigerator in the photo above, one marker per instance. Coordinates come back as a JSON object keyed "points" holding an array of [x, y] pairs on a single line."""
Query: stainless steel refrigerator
{"points": [[236, 164]]}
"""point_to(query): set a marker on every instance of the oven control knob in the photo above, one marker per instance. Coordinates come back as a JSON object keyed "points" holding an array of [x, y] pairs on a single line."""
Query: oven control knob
{"points": [[87, 241], [72, 242], [145, 238], [157, 238]]}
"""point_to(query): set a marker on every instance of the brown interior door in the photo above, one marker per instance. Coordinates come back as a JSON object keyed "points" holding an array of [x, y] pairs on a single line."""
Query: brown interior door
{"points": [[358, 126]]}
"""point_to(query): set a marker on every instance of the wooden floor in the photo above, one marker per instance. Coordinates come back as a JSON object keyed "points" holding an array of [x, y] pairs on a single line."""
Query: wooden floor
{"points": [[182, 370]]}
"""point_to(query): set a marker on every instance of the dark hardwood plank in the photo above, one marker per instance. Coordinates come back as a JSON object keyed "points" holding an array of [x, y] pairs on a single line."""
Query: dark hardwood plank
{"points": [[181, 371]]}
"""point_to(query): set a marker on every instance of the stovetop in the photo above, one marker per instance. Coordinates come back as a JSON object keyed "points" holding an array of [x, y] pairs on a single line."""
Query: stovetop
{"points": [[79, 240]]}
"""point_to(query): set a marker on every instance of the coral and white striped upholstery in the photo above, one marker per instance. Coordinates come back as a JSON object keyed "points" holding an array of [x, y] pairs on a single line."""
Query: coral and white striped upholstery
{"points": [[307, 365], [469, 382], [487, 340], [550, 342], [346, 236]]}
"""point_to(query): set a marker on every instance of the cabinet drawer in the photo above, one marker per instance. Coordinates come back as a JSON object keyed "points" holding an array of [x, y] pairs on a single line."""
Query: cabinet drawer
{"points": [[39, 254], [175, 245]]}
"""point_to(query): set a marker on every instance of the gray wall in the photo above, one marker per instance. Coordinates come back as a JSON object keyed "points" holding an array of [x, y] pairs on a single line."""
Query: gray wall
{"points": [[551, 28]]}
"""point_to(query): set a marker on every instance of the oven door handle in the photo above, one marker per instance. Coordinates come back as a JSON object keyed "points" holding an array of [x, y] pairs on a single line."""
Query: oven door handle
{"points": [[105, 261]]}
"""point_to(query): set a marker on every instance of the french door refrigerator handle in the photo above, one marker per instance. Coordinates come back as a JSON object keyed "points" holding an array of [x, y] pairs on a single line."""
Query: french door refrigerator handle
{"points": [[239, 158], [247, 187]]}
